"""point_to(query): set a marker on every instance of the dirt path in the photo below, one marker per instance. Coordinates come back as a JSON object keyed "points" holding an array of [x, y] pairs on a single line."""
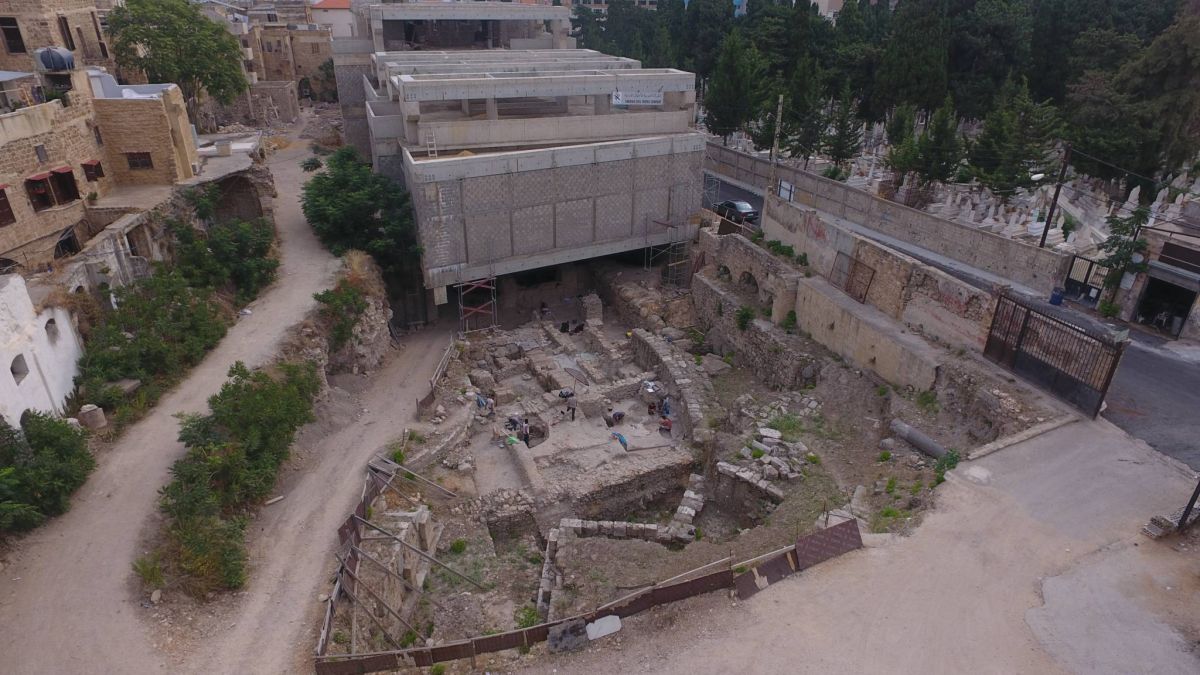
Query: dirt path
{"points": [[1032, 562], [65, 598], [274, 629]]}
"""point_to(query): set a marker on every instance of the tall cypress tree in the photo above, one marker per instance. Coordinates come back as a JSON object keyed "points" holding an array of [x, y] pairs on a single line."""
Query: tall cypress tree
{"points": [[736, 90]]}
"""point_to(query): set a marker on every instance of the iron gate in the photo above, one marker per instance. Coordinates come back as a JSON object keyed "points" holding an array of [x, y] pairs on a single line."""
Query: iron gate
{"points": [[852, 276], [1085, 280], [1072, 363]]}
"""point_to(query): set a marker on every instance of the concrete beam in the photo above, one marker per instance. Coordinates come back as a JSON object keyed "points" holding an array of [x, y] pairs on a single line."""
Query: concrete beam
{"points": [[562, 83], [468, 11], [499, 163]]}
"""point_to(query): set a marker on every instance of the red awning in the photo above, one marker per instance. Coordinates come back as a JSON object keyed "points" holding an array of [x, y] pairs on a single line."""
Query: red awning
{"points": [[90, 162], [39, 176], [62, 169]]}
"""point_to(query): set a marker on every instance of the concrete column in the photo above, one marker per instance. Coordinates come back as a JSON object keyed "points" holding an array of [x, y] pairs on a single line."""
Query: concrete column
{"points": [[602, 104], [562, 103], [466, 106], [492, 113]]}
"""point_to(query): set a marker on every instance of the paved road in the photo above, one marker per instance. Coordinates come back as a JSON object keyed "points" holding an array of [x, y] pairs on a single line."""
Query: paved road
{"points": [[1156, 397], [1155, 394]]}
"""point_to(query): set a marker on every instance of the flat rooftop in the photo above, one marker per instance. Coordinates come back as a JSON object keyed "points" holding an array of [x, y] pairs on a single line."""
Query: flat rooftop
{"points": [[467, 11]]}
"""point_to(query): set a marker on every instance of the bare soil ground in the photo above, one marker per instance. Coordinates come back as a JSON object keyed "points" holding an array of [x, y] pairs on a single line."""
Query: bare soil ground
{"points": [[68, 601]]}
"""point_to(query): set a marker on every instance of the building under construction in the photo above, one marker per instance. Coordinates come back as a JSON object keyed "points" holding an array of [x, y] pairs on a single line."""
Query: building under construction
{"points": [[519, 159]]}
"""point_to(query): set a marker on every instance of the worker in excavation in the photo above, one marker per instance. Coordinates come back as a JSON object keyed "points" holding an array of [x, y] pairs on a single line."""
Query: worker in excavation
{"points": [[621, 439], [664, 426], [571, 405], [525, 432]]}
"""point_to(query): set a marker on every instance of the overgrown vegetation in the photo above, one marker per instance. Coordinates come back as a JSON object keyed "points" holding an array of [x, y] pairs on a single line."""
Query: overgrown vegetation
{"points": [[789, 321], [744, 316], [946, 463], [159, 329], [927, 401], [233, 456], [41, 465], [233, 256], [341, 306], [788, 425]]}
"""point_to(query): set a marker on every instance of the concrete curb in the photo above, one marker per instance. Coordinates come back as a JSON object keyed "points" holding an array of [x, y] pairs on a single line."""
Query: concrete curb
{"points": [[1032, 432]]}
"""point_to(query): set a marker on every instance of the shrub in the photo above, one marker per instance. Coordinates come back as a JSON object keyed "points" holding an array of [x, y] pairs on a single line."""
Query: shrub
{"points": [[40, 467], [310, 164], [230, 256], [160, 328], [789, 321], [232, 459], [890, 488], [881, 390], [149, 570], [743, 317], [437, 669], [812, 458], [756, 453], [885, 456], [947, 463], [342, 305], [398, 456], [802, 259], [527, 617], [1108, 309], [698, 359], [458, 546]]}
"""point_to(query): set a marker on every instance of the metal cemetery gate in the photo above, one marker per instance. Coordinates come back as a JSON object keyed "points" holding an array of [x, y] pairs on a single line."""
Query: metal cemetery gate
{"points": [[1072, 363]]}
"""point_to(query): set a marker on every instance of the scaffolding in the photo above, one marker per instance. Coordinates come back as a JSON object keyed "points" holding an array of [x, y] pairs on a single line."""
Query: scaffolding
{"points": [[477, 308], [674, 256]]}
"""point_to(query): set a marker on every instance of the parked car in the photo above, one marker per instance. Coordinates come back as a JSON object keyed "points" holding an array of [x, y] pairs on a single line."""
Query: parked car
{"points": [[737, 211]]}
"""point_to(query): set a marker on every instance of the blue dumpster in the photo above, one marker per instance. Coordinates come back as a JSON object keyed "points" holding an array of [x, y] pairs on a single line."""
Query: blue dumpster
{"points": [[1056, 296]]}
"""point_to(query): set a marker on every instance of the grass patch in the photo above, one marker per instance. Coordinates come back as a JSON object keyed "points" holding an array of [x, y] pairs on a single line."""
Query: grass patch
{"points": [[813, 458], [890, 488], [882, 390], [927, 401], [885, 456], [458, 546], [789, 321], [887, 517], [788, 425], [149, 570], [756, 453]]}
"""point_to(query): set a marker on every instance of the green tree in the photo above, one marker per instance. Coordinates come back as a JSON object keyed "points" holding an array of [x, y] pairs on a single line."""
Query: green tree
{"points": [[706, 24], [987, 43], [40, 467], [939, 150], [914, 63], [804, 112], [1106, 123], [171, 41], [1016, 142], [735, 94], [1165, 78], [844, 138], [901, 123], [351, 207], [1120, 247]]}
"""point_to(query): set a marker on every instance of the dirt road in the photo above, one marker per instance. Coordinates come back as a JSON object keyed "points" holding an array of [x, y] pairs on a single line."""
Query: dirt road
{"points": [[65, 598], [1032, 563]]}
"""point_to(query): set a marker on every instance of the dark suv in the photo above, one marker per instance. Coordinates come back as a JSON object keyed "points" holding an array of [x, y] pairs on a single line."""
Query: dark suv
{"points": [[737, 211]]}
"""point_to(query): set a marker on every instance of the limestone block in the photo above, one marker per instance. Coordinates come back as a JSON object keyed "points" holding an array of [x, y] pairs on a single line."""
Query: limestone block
{"points": [[92, 417], [482, 380], [504, 395]]}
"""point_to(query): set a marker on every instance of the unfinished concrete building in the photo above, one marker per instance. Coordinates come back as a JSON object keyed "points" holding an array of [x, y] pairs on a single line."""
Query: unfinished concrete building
{"points": [[519, 158]]}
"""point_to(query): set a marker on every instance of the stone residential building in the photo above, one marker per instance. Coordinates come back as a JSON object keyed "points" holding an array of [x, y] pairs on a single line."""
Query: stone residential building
{"points": [[27, 25]]}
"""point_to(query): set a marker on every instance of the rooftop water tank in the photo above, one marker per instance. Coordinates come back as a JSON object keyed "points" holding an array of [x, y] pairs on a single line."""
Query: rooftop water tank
{"points": [[50, 59]]}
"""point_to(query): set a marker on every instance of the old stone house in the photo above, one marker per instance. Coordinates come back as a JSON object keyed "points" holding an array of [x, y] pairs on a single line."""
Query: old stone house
{"points": [[27, 25]]}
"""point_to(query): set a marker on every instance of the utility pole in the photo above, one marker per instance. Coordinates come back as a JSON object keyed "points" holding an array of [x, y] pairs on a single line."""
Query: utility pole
{"points": [[775, 147], [1062, 174]]}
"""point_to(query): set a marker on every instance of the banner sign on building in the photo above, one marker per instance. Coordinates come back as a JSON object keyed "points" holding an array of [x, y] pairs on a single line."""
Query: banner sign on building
{"points": [[637, 98]]}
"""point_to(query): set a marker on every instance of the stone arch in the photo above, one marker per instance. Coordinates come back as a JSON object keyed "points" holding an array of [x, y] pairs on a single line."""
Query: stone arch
{"points": [[747, 279], [723, 272], [238, 200]]}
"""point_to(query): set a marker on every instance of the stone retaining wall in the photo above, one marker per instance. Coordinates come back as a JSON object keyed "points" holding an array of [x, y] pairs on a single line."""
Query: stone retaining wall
{"points": [[691, 388]]}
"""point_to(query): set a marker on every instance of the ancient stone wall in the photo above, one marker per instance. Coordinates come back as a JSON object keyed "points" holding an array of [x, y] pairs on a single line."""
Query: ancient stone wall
{"points": [[618, 495], [695, 401], [777, 358], [1038, 268]]}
